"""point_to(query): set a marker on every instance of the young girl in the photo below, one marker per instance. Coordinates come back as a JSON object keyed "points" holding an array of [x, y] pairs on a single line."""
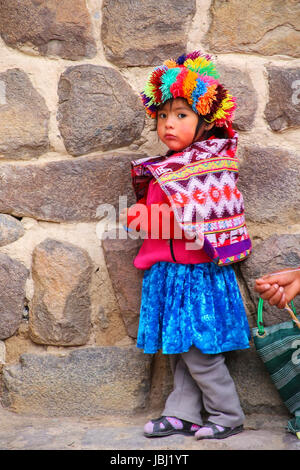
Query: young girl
{"points": [[191, 307]]}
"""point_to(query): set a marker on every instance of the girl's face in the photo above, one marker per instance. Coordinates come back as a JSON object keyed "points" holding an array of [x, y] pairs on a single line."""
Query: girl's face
{"points": [[176, 124]]}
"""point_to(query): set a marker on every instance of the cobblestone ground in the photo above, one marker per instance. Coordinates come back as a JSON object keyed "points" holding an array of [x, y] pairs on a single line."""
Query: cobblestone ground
{"points": [[262, 432]]}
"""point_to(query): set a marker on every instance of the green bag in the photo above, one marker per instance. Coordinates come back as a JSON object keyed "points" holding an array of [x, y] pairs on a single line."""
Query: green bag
{"points": [[279, 348]]}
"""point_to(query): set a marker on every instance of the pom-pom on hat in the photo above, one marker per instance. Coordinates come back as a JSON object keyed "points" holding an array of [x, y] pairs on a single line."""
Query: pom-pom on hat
{"points": [[193, 77]]}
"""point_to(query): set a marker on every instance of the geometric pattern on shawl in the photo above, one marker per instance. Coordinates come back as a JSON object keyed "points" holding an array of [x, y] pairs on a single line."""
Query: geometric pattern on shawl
{"points": [[200, 183]]}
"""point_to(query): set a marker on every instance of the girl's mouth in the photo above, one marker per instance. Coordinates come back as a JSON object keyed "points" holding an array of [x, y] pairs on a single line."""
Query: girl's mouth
{"points": [[170, 136]]}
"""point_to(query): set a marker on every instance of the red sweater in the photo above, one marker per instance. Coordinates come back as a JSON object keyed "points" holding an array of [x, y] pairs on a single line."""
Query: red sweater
{"points": [[166, 240], [156, 219]]}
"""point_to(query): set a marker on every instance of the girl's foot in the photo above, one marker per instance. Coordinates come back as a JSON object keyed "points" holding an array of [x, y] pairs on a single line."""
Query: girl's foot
{"points": [[215, 431], [167, 425]]}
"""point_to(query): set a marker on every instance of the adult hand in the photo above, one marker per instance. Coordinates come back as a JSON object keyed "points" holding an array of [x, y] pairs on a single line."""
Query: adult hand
{"points": [[279, 288]]}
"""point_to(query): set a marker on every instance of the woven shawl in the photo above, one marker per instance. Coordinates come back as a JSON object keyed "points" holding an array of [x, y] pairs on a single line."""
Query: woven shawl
{"points": [[200, 183]]}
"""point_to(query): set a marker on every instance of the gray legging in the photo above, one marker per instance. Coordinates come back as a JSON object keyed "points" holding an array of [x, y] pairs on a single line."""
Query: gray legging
{"points": [[203, 380]]}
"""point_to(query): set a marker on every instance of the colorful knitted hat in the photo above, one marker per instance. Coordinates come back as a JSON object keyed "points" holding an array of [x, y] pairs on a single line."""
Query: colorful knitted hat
{"points": [[195, 78]]}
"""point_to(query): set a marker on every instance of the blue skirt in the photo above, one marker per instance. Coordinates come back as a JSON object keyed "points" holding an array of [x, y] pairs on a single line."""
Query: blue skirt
{"points": [[191, 304]]}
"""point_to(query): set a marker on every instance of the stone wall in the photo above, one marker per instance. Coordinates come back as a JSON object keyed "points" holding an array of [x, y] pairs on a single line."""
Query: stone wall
{"points": [[70, 122]]}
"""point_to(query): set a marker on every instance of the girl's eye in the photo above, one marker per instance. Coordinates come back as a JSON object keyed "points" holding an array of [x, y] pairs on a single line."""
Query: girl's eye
{"points": [[162, 115], [181, 115]]}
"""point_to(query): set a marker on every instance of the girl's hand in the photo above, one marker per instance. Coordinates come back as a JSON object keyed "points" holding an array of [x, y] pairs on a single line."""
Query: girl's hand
{"points": [[279, 288]]}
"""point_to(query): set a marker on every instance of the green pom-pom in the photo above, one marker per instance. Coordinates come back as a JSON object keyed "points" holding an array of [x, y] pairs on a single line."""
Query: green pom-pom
{"points": [[168, 78]]}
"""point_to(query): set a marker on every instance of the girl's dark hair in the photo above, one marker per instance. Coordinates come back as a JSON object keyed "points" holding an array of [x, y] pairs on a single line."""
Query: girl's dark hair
{"points": [[218, 132]]}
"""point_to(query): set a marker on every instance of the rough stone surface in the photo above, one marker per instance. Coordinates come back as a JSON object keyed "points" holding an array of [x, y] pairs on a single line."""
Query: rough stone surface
{"points": [[19, 432], [283, 108], [24, 117], [145, 32], [2, 353], [268, 28], [271, 255], [60, 311], [13, 276], [161, 383], [10, 229], [126, 279], [85, 382], [55, 28], [248, 371], [270, 182], [240, 85], [108, 433], [97, 110], [67, 190]]}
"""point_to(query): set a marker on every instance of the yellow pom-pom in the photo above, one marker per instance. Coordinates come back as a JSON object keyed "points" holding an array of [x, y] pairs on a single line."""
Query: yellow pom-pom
{"points": [[149, 92], [226, 105], [195, 64]]}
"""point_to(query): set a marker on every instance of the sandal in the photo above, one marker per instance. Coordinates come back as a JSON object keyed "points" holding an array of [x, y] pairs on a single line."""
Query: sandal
{"points": [[167, 425], [217, 431]]}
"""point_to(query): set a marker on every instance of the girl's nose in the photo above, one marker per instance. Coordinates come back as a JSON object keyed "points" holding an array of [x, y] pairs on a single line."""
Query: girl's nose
{"points": [[169, 122]]}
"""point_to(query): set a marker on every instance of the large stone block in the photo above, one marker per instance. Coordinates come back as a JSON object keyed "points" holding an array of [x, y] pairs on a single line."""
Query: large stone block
{"points": [[283, 108], [60, 311], [240, 85], [126, 279], [10, 229], [55, 28], [255, 388], [268, 28], [271, 255], [13, 277], [270, 182], [24, 117], [85, 382], [66, 190], [97, 110], [145, 32]]}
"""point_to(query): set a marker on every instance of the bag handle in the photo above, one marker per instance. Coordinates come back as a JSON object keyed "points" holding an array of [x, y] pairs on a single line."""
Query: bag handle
{"points": [[260, 324]]}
